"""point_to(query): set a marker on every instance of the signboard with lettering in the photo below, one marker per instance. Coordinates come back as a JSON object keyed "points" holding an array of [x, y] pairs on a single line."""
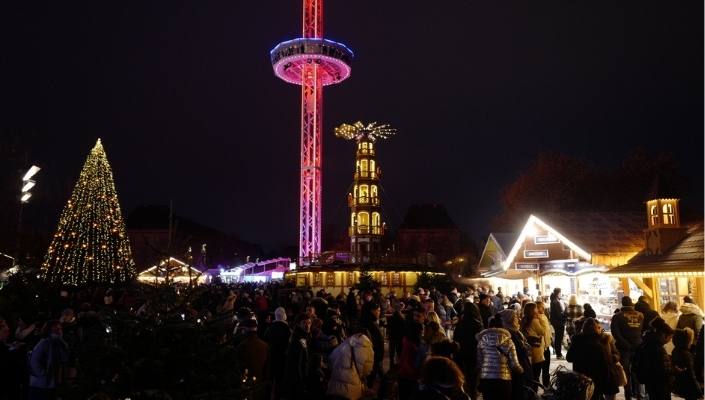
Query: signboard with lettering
{"points": [[535, 253], [545, 239], [526, 266]]}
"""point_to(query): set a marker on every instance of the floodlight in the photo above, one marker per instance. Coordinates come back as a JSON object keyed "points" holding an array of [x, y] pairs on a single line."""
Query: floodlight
{"points": [[30, 173]]}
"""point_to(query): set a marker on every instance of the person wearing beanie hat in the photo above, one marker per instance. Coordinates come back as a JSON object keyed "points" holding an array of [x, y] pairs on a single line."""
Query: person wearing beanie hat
{"points": [[653, 363], [626, 330], [277, 336]]}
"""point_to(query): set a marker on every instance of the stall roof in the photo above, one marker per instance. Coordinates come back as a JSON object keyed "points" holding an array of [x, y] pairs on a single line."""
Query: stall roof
{"points": [[600, 232], [684, 257]]}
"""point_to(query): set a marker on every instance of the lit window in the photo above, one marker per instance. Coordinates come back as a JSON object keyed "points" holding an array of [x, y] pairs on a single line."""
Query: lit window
{"points": [[352, 219], [376, 219], [364, 194], [373, 191], [363, 167], [669, 217], [363, 220], [654, 215], [355, 193], [372, 168]]}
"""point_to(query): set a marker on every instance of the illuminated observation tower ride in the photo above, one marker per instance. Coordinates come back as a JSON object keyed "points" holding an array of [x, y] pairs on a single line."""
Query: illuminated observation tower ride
{"points": [[312, 62]]}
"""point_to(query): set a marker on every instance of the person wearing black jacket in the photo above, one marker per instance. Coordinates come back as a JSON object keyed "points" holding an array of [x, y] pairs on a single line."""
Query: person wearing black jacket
{"points": [[277, 336], [642, 305], [296, 372], [369, 320], [465, 335], [591, 354], [686, 384], [558, 319], [486, 311], [655, 361], [626, 329]]}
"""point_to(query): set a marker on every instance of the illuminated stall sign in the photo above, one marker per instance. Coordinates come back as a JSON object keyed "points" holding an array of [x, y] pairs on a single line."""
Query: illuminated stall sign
{"points": [[535, 253], [527, 266], [545, 239]]}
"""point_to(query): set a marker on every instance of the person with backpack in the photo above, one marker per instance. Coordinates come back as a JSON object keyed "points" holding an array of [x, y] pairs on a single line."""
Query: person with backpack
{"points": [[686, 384], [626, 329], [651, 362], [351, 362]]}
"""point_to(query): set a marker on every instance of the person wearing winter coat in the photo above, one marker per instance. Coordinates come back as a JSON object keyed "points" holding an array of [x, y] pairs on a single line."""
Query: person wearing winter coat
{"points": [[253, 353], [654, 364], [533, 330], [510, 322], [296, 372], [465, 335], [685, 385], [277, 336], [395, 333], [691, 315], [558, 319], [46, 362], [546, 365], [413, 354], [441, 379], [573, 312], [497, 360], [592, 354], [670, 314], [369, 320], [350, 364], [626, 330], [642, 305]]}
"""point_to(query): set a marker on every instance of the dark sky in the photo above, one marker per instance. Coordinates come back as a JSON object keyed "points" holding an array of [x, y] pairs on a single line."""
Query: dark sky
{"points": [[184, 98]]}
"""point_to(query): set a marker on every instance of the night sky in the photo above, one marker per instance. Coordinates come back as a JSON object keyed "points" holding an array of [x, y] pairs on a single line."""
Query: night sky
{"points": [[185, 100]]}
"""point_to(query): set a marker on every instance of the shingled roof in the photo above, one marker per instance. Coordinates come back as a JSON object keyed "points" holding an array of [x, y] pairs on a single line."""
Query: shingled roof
{"points": [[685, 256], [600, 232]]}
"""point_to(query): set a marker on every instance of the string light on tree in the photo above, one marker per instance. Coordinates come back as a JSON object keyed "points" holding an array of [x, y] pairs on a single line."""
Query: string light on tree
{"points": [[90, 244]]}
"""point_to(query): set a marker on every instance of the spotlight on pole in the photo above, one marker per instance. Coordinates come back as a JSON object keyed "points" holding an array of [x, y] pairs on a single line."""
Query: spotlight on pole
{"points": [[29, 184], [25, 197]]}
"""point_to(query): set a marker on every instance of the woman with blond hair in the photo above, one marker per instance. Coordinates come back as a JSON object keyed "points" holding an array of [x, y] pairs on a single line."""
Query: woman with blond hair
{"points": [[572, 313], [534, 332]]}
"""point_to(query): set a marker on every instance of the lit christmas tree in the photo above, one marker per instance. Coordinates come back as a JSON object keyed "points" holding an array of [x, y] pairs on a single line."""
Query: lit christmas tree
{"points": [[90, 244]]}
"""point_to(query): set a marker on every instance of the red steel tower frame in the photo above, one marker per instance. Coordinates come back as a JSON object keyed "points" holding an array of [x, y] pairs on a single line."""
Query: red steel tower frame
{"points": [[312, 62]]}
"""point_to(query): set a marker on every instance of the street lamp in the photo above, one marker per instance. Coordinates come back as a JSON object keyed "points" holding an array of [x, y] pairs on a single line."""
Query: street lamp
{"points": [[26, 185]]}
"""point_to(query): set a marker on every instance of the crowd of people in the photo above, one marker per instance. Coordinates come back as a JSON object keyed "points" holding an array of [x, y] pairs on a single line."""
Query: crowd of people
{"points": [[272, 341]]}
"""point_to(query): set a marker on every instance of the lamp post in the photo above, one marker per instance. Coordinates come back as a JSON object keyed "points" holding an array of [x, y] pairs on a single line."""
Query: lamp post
{"points": [[25, 194]]}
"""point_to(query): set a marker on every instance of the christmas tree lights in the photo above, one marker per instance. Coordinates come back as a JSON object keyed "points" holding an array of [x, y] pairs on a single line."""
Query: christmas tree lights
{"points": [[359, 129], [90, 244]]}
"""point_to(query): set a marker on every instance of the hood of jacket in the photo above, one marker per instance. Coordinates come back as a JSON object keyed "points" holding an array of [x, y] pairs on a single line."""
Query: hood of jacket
{"points": [[688, 308], [493, 337], [360, 340]]}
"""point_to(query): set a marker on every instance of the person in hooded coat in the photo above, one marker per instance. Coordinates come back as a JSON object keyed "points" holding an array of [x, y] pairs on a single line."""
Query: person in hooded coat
{"points": [[654, 362], [350, 363], [642, 305], [691, 315], [277, 336], [686, 384], [592, 353], [497, 361]]}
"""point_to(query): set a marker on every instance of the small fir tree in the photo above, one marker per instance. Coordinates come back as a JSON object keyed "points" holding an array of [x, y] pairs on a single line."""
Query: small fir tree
{"points": [[90, 244]]}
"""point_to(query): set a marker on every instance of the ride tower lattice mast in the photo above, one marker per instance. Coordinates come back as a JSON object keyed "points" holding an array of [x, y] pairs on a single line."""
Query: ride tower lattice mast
{"points": [[312, 62]]}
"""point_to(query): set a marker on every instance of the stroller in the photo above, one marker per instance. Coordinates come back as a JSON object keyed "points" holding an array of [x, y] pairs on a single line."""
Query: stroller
{"points": [[568, 385]]}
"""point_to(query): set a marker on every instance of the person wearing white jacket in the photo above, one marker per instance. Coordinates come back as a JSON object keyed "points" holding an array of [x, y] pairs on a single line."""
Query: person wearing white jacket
{"points": [[350, 363], [670, 314]]}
